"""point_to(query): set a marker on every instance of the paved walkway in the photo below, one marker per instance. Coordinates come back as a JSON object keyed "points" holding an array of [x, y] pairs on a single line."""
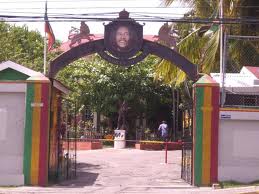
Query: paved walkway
{"points": [[126, 171]]}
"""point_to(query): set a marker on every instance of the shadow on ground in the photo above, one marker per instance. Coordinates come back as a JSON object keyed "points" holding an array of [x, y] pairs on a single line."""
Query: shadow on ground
{"points": [[83, 177], [85, 166]]}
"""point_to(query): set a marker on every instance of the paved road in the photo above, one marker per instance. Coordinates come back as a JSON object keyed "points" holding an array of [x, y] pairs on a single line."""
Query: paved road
{"points": [[126, 171]]}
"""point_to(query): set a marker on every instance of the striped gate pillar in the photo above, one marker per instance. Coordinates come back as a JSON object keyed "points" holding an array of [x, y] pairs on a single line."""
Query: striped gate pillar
{"points": [[205, 131], [36, 137]]}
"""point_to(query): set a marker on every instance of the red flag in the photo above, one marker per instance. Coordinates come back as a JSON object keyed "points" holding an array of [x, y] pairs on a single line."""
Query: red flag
{"points": [[50, 35], [48, 30]]}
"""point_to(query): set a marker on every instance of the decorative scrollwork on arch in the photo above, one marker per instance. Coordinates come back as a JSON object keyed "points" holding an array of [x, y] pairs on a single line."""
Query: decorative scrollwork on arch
{"points": [[124, 62], [148, 47]]}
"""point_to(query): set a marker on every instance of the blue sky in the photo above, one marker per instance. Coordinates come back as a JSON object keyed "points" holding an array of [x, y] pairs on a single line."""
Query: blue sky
{"points": [[93, 7]]}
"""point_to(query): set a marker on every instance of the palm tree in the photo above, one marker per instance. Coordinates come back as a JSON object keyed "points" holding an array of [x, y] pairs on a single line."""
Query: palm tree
{"points": [[200, 43]]}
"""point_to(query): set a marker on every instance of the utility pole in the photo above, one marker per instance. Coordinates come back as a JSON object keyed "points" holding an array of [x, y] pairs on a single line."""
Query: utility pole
{"points": [[222, 56], [45, 42]]}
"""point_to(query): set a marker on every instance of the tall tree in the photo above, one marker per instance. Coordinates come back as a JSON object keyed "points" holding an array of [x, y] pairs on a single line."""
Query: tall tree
{"points": [[22, 46], [200, 43], [103, 87]]}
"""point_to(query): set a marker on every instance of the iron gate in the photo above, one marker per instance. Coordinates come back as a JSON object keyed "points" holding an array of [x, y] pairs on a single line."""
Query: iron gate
{"points": [[187, 145], [62, 151], [68, 147], [186, 172]]}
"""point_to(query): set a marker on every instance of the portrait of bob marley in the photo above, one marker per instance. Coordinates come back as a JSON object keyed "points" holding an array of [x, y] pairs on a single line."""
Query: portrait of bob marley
{"points": [[123, 40]]}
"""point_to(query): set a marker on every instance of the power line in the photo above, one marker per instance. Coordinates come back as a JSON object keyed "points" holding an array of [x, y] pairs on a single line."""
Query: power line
{"points": [[86, 1], [103, 14], [89, 13], [143, 19], [62, 1], [91, 7], [128, 6], [73, 1]]}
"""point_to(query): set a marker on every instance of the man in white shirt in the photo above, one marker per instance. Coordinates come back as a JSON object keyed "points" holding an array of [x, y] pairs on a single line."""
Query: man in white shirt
{"points": [[163, 130]]}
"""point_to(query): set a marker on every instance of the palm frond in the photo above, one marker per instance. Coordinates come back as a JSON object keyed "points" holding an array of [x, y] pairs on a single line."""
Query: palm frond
{"points": [[169, 73], [211, 48], [232, 7], [191, 46]]}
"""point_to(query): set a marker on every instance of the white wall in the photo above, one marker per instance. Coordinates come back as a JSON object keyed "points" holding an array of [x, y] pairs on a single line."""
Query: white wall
{"points": [[238, 146], [12, 120]]}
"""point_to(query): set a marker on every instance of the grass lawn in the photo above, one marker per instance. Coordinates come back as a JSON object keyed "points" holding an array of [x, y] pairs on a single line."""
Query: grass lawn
{"points": [[230, 184]]}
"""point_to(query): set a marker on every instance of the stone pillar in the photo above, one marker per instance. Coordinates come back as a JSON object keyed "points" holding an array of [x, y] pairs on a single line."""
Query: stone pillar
{"points": [[205, 131]]}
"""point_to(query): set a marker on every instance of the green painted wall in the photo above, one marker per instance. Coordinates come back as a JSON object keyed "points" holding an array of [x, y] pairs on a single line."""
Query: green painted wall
{"points": [[28, 134], [198, 134], [10, 74]]}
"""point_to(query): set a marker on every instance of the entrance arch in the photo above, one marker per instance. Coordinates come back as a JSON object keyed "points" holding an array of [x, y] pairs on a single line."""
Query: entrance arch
{"points": [[98, 46], [134, 54], [148, 47]]}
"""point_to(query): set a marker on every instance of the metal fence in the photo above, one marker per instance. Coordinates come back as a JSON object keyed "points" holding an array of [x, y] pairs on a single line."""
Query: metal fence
{"points": [[91, 134], [187, 146], [67, 150], [146, 134], [240, 51]]}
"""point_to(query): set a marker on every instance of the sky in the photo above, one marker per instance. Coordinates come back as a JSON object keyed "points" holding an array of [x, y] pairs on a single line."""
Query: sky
{"points": [[94, 9]]}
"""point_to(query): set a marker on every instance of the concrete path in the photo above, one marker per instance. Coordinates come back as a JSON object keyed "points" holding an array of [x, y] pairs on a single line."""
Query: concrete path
{"points": [[126, 171]]}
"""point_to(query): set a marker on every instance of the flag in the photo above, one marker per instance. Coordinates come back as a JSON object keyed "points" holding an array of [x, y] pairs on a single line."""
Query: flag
{"points": [[50, 35], [48, 31]]}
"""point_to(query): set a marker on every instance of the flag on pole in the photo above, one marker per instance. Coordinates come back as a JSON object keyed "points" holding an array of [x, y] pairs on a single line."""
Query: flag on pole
{"points": [[48, 31]]}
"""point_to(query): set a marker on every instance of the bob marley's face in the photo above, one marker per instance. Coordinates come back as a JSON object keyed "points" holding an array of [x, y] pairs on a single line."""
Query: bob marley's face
{"points": [[122, 37]]}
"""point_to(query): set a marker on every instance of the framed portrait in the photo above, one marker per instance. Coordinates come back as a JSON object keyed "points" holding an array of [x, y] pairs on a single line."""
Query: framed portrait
{"points": [[123, 39]]}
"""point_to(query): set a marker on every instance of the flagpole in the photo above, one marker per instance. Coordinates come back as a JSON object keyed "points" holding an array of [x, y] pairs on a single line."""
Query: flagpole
{"points": [[45, 43], [45, 55]]}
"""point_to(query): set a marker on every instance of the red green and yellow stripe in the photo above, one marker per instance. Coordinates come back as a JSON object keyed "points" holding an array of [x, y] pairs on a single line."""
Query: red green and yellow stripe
{"points": [[43, 165], [206, 118], [36, 134], [28, 134], [240, 110], [198, 136], [206, 134], [53, 133], [214, 134]]}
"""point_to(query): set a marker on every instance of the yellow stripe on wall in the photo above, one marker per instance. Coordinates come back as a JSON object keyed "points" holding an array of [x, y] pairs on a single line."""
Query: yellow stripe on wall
{"points": [[53, 132], [206, 142], [36, 136]]}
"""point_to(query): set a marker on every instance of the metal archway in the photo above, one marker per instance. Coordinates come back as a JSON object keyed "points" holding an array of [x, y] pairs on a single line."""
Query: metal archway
{"points": [[148, 47]]}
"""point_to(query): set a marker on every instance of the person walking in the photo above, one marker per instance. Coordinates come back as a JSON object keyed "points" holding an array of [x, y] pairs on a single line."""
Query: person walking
{"points": [[163, 130]]}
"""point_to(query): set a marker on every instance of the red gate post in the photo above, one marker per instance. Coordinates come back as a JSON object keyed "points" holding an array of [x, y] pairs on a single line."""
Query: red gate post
{"points": [[166, 152]]}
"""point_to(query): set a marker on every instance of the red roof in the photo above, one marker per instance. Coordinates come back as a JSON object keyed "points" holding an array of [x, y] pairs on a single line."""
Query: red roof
{"points": [[65, 46], [205, 79], [253, 70]]}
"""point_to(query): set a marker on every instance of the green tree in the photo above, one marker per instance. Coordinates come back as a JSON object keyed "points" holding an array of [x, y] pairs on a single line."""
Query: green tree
{"points": [[22, 46], [103, 86], [200, 43]]}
